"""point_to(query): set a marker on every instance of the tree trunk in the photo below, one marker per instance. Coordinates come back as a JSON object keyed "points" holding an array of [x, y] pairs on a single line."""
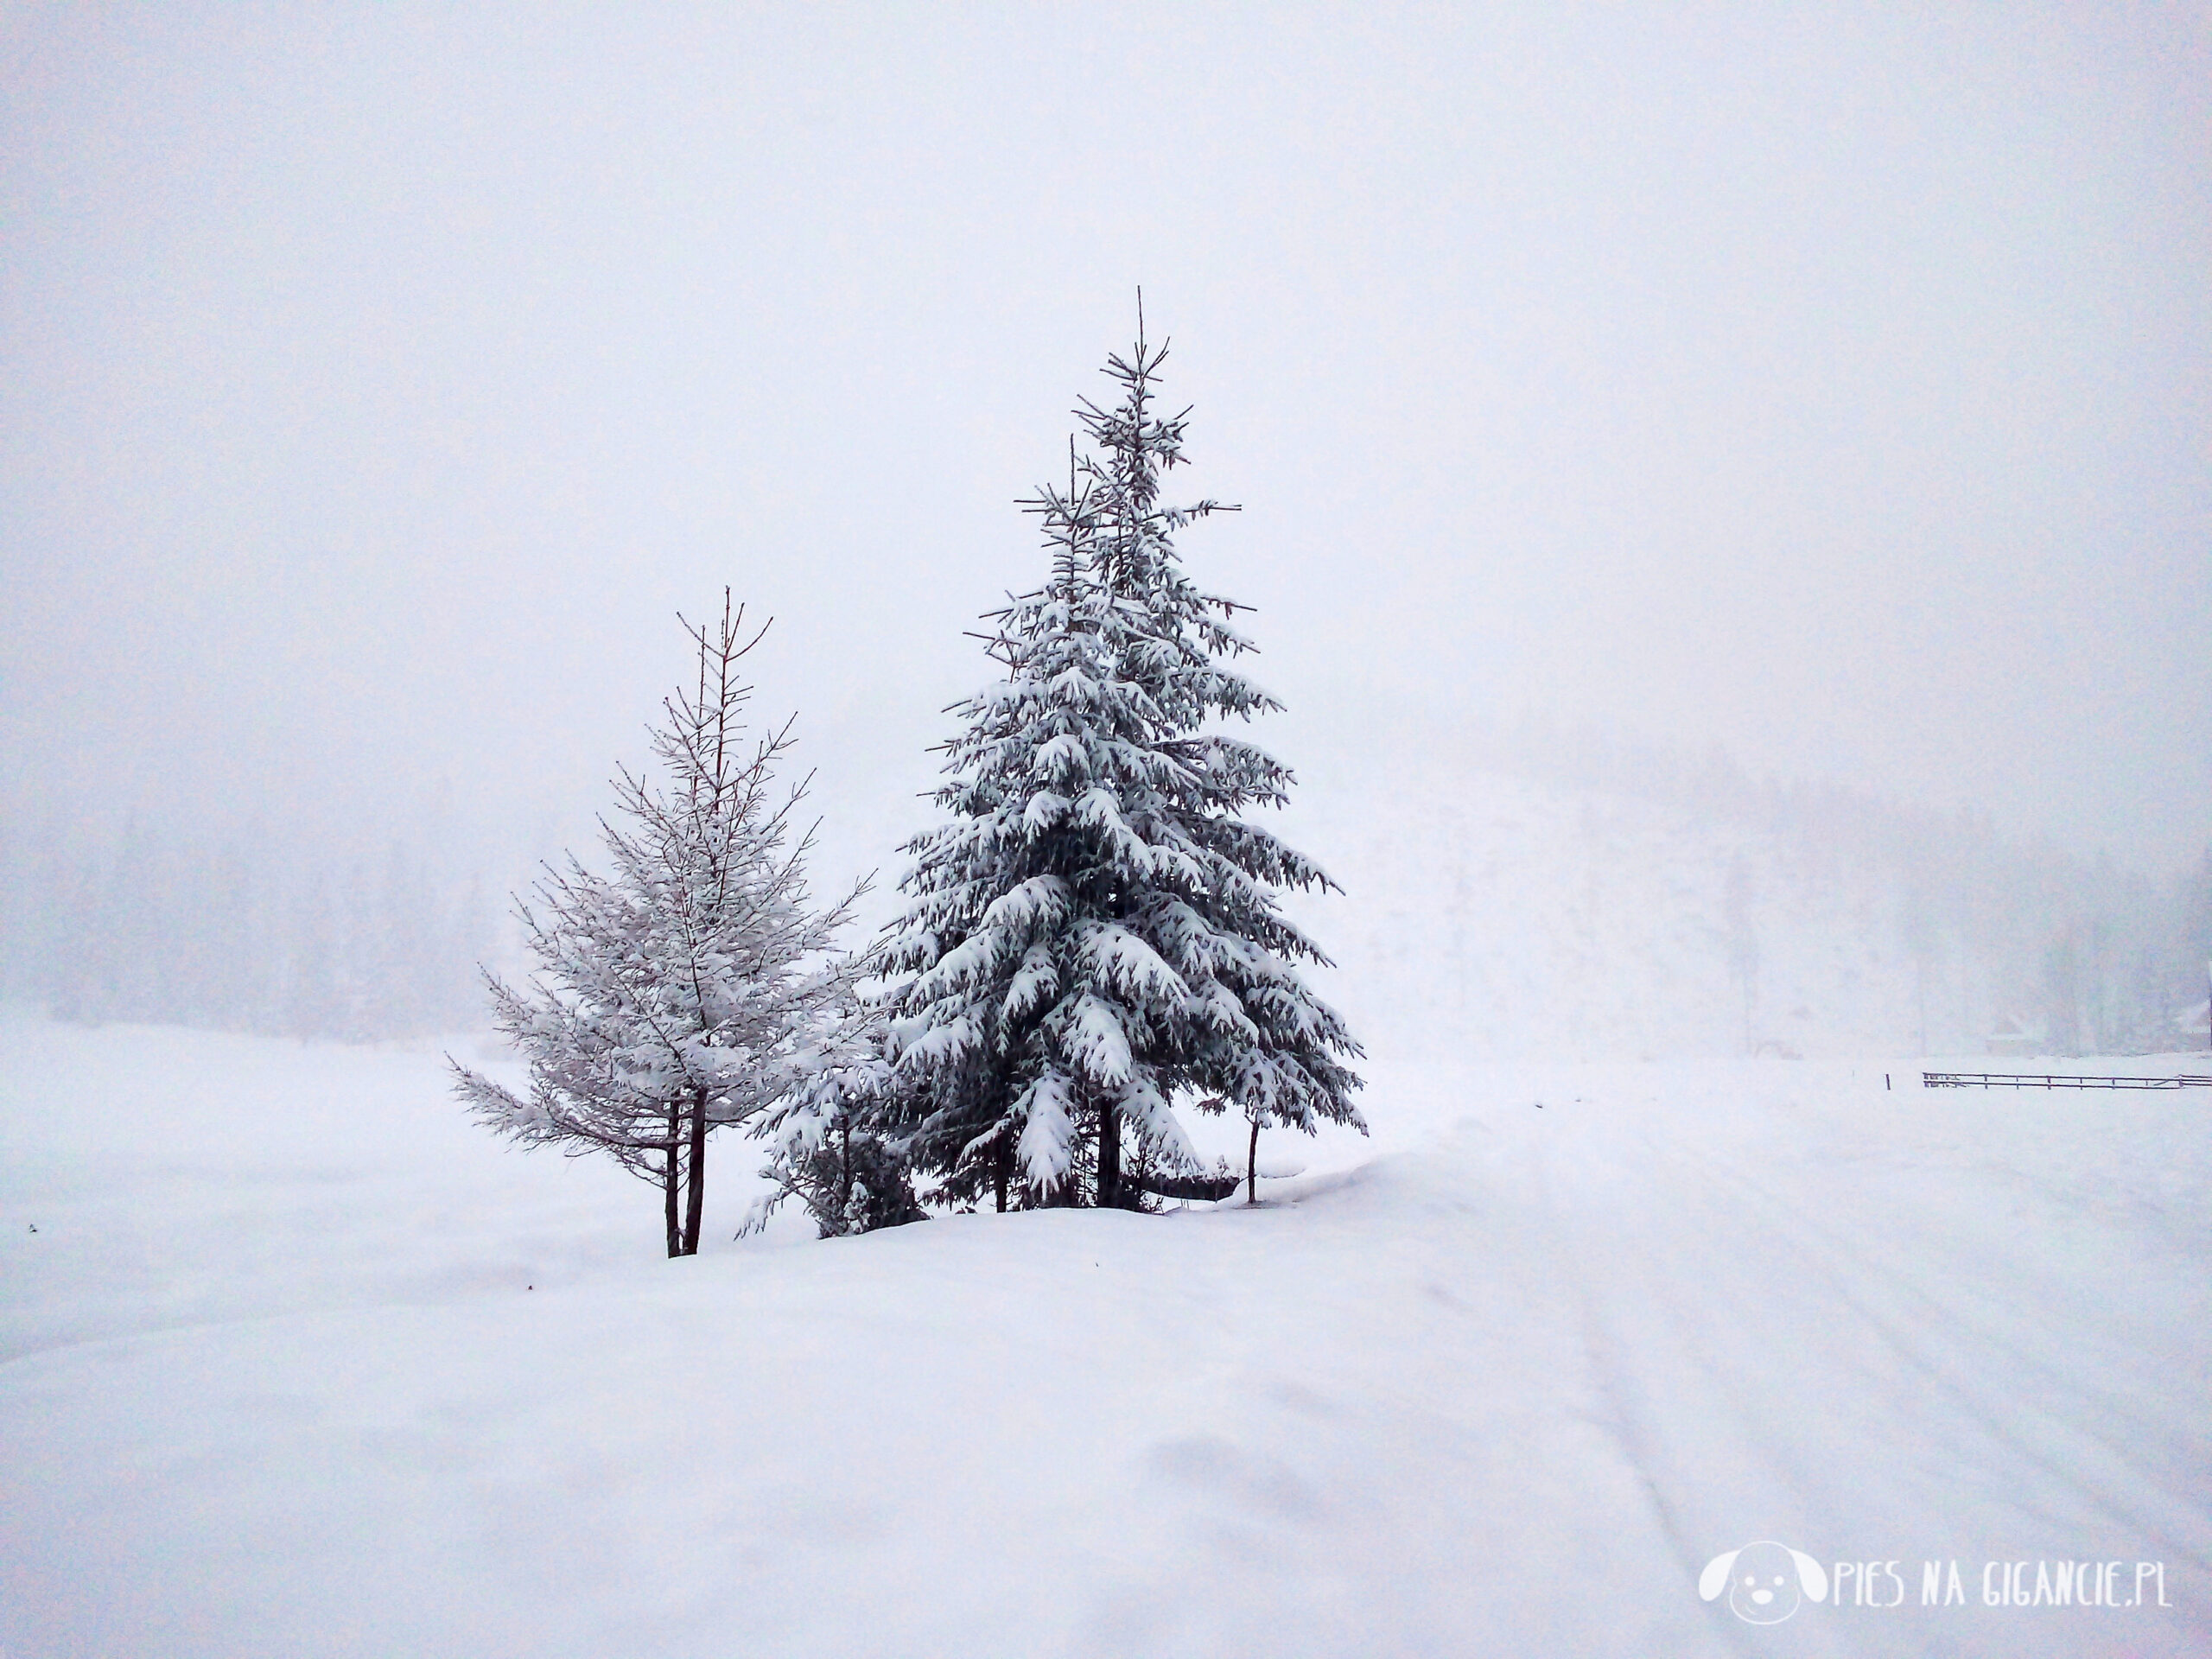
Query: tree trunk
{"points": [[671, 1179], [1252, 1165], [1002, 1155], [695, 1198], [845, 1177], [1110, 1155]]}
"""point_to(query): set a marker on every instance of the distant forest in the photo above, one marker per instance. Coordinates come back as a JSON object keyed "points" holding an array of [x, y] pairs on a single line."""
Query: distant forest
{"points": [[266, 934], [2087, 955], [243, 934]]}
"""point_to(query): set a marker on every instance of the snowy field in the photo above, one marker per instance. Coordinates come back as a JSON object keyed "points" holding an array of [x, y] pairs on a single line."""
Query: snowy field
{"points": [[297, 1361]]}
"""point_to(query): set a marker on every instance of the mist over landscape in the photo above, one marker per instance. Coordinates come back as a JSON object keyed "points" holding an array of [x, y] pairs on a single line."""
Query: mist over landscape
{"points": [[1828, 397], [1722, 500]]}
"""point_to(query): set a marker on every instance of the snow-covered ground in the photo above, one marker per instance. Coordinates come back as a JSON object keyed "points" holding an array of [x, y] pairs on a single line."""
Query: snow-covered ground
{"points": [[297, 1361]]}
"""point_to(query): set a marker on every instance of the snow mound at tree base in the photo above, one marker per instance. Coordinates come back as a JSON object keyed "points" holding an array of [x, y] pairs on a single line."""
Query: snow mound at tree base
{"points": [[1502, 1383]]}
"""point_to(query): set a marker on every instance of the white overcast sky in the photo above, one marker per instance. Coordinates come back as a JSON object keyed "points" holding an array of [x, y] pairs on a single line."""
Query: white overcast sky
{"points": [[380, 380]]}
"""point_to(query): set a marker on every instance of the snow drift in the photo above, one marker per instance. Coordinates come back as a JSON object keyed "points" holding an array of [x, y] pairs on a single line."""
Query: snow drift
{"points": [[298, 1363]]}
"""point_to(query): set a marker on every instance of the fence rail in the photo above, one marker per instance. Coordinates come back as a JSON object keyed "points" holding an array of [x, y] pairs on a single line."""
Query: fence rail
{"points": [[2052, 1080]]}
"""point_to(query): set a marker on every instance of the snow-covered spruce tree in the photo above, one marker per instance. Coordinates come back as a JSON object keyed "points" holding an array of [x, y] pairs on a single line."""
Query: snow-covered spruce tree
{"points": [[826, 1146], [1095, 936], [685, 990]]}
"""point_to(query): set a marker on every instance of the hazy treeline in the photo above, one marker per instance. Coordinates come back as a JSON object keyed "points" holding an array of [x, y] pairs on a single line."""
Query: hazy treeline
{"points": [[2090, 956], [281, 931], [250, 933]]}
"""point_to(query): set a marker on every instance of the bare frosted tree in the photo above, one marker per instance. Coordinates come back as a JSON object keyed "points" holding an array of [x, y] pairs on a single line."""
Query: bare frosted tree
{"points": [[685, 990]]}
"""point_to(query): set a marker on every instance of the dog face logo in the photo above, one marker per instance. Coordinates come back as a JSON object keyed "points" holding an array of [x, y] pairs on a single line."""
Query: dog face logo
{"points": [[1763, 1581]]}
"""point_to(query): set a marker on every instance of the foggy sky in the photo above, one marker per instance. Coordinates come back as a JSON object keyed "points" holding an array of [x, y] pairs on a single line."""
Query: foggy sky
{"points": [[380, 382]]}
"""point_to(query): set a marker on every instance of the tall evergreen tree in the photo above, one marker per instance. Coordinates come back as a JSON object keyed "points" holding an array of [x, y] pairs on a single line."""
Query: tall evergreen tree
{"points": [[1096, 935]]}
